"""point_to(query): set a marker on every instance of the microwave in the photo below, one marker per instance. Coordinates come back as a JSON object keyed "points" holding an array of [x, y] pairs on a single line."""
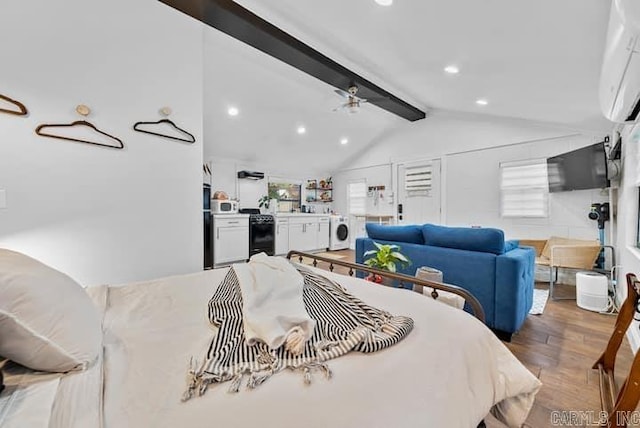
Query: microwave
{"points": [[224, 206]]}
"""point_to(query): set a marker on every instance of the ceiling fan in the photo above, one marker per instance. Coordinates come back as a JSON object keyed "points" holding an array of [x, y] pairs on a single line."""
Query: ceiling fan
{"points": [[353, 101]]}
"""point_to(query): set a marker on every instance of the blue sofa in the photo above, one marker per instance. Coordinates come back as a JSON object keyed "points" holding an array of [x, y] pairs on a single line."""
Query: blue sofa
{"points": [[497, 272]]}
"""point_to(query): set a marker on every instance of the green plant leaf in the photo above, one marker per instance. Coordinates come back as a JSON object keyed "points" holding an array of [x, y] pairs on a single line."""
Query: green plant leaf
{"points": [[391, 266], [378, 246], [369, 253], [400, 257]]}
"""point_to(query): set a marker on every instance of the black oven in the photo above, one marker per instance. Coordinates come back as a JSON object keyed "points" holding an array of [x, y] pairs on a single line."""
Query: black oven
{"points": [[262, 234]]}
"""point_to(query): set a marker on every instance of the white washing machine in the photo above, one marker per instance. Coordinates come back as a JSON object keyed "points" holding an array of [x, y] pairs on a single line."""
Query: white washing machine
{"points": [[339, 229]]}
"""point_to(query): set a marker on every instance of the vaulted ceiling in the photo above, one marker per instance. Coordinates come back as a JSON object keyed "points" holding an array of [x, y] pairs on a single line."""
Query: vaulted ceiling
{"points": [[535, 60]]}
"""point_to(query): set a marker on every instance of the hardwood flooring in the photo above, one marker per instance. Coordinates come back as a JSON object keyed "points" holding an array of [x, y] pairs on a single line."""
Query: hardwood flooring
{"points": [[559, 347]]}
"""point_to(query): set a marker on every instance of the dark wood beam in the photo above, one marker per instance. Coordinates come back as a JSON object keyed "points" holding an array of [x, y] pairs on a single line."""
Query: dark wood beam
{"points": [[240, 23]]}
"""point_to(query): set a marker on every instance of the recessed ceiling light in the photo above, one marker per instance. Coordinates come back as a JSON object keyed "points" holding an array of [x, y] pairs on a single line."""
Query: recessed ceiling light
{"points": [[233, 111], [384, 2], [452, 69], [301, 130], [482, 102], [344, 141]]}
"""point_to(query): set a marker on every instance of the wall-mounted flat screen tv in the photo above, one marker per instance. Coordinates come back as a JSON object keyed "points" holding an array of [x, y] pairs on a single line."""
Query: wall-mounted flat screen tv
{"points": [[585, 168]]}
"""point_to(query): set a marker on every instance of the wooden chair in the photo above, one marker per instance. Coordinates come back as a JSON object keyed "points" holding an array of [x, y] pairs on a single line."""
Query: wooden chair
{"points": [[618, 404], [567, 253]]}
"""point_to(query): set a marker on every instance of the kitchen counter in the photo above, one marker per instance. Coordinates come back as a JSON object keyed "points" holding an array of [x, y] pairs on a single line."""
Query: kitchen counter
{"points": [[284, 215], [234, 215]]}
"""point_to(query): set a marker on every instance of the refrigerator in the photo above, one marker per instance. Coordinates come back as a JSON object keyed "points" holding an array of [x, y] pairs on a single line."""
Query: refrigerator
{"points": [[207, 226]]}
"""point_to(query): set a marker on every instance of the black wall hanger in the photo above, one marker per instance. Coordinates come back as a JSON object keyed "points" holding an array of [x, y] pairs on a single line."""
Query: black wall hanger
{"points": [[191, 139], [40, 131], [22, 110]]}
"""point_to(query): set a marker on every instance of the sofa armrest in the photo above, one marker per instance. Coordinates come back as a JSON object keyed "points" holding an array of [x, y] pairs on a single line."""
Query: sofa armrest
{"points": [[514, 288]]}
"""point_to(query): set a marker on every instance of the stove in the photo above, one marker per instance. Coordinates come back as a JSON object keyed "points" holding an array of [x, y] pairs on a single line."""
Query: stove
{"points": [[262, 232]]}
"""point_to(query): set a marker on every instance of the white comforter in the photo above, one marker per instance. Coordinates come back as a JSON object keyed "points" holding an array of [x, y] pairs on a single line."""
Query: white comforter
{"points": [[449, 372]]}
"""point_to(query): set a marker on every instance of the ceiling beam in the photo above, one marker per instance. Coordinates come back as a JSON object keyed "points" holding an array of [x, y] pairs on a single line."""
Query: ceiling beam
{"points": [[238, 22]]}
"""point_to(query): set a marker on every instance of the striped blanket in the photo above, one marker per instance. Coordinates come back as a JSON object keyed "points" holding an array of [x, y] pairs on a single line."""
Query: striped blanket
{"points": [[343, 324]]}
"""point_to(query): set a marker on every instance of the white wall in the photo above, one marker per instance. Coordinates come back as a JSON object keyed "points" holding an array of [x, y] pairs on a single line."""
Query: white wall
{"points": [[471, 148], [473, 196], [98, 214], [376, 175], [627, 218], [225, 173]]}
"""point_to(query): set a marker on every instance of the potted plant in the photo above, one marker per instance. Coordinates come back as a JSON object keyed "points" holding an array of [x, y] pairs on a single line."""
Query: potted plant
{"points": [[264, 203], [385, 257]]}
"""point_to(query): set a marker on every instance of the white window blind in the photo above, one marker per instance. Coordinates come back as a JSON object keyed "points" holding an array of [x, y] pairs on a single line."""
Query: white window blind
{"points": [[524, 189], [418, 179], [357, 192]]}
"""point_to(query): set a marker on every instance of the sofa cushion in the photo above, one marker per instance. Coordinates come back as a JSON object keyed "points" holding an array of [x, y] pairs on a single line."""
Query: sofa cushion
{"points": [[410, 233], [486, 240]]}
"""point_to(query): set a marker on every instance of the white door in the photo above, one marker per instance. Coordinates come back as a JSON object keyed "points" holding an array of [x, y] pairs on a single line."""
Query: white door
{"points": [[419, 190], [296, 236], [231, 244], [310, 236], [357, 203], [282, 236], [323, 234]]}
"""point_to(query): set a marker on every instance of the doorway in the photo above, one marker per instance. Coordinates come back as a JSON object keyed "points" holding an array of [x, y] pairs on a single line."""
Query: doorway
{"points": [[419, 192]]}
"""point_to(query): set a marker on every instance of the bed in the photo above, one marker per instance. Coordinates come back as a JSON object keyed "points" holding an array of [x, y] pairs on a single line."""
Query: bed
{"points": [[449, 371]]}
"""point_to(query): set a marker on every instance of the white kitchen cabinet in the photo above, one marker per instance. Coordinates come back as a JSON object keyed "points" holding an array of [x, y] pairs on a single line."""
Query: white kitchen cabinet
{"points": [[230, 239], [323, 233], [282, 236], [302, 234], [308, 233]]}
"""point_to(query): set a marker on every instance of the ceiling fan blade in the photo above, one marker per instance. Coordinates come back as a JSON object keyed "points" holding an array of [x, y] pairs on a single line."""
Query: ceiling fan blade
{"points": [[373, 100], [340, 108], [342, 93]]}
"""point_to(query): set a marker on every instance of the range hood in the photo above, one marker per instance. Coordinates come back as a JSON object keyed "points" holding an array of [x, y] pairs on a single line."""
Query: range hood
{"points": [[251, 175]]}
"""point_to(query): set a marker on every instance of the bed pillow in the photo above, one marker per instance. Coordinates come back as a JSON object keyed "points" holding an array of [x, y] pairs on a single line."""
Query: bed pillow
{"points": [[410, 233], [47, 320]]}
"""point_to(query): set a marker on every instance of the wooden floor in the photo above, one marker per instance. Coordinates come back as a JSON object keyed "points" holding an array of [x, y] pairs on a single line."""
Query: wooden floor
{"points": [[559, 347]]}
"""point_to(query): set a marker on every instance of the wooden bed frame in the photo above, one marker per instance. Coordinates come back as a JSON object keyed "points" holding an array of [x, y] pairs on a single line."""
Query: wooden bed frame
{"points": [[403, 279], [620, 403]]}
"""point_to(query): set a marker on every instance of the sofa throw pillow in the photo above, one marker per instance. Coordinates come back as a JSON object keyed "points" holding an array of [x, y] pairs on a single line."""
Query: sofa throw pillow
{"points": [[410, 233], [486, 240], [47, 320]]}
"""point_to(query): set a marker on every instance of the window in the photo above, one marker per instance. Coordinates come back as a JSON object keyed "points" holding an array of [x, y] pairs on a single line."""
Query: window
{"points": [[357, 192], [524, 189], [417, 180], [287, 194]]}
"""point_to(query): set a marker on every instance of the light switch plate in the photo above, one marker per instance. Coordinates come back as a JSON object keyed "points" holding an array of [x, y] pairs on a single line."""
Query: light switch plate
{"points": [[3, 199]]}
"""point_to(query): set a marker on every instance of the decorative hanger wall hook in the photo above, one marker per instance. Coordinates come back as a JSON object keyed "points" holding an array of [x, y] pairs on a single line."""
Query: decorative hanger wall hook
{"points": [[21, 109], [165, 111], [83, 110]]}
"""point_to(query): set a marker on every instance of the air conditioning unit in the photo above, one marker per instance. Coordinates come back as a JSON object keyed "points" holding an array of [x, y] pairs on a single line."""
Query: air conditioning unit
{"points": [[620, 75]]}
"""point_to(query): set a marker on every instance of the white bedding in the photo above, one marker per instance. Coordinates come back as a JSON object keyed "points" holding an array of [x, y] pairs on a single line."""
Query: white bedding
{"points": [[449, 372]]}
